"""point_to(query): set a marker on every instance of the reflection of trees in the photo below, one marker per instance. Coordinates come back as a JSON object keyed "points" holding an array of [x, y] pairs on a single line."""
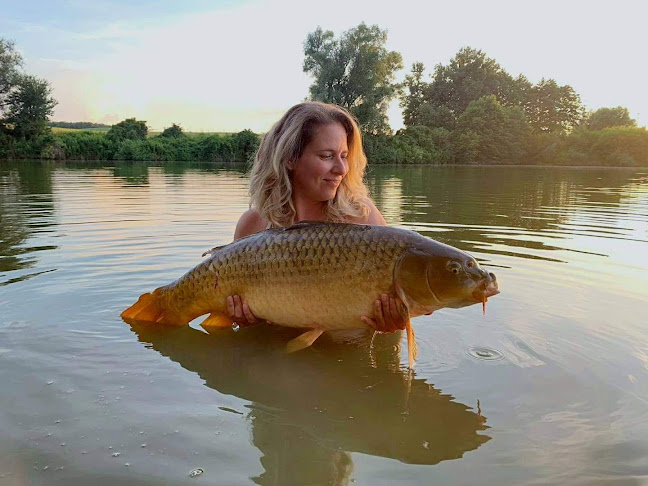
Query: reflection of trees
{"points": [[26, 207], [471, 199], [312, 409]]}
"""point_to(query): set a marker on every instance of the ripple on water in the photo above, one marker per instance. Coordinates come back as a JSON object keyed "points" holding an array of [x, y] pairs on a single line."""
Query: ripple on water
{"points": [[488, 354]]}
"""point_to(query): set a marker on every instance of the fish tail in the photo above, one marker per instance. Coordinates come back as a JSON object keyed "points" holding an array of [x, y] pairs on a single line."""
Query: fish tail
{"points": [[150, 308]]}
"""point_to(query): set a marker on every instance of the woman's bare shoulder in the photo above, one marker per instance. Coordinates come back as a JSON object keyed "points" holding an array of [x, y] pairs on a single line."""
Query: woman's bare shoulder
{"points": [[374, 216], [250, 222]]}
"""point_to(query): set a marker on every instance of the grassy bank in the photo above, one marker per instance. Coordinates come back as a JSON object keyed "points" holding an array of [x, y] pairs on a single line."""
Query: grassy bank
{"points": [[612, 147]]}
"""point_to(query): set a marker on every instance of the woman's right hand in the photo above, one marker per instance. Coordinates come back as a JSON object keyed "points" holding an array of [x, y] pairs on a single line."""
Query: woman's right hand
{"points": [[240, 312]]}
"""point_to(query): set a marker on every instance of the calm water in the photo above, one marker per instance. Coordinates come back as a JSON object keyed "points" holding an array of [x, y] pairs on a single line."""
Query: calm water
{"points": [[550, 387]]}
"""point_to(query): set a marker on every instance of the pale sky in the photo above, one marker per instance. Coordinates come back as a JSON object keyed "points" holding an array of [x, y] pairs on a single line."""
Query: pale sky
{"points": [[230, 65]]}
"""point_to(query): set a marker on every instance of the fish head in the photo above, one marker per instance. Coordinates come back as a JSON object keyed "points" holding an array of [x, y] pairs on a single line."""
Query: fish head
{"points": [[442, 276]]}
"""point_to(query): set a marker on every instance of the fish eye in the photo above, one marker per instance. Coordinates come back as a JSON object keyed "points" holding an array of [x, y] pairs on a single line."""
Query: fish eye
{"points": [[454, 267], [471, 263]]}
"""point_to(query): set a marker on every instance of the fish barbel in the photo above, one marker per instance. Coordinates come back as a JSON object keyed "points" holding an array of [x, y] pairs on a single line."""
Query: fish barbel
{"points": [[320, 276]]}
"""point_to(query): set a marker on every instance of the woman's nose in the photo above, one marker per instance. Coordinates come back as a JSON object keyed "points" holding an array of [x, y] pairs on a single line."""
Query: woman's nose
{"points": [[340, 166]]}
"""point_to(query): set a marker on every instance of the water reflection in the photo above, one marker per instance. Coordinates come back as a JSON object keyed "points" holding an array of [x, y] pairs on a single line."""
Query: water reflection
{"points": [[310, 410], [26, 209]]}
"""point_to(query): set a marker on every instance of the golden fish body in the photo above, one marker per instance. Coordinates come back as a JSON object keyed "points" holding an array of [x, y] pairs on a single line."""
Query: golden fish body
{"points": [[322, 276]]}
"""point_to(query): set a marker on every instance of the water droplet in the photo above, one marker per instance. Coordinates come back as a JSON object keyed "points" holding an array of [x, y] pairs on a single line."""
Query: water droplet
{"points": [[485, 353], [62, 444], [84, 452], [426, 445], [143, 445], [57, 422], [127, 464], [196, 472], [50, 382], [116, 454]]}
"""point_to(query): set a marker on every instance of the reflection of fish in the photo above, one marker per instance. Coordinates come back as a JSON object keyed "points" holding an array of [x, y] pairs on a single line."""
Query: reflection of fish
{"points": [[307, 414], [321, 276]]}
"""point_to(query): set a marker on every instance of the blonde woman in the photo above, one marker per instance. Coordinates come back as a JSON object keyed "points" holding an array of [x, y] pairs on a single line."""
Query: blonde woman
{"points": [[310, 166]]}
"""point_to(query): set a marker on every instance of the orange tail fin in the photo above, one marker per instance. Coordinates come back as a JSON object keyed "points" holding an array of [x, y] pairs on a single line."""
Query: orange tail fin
{"points": [[147, 309]]}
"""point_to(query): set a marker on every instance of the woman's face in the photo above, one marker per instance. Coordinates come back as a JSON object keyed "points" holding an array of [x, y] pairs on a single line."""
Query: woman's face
{"points": [[323, 164]]}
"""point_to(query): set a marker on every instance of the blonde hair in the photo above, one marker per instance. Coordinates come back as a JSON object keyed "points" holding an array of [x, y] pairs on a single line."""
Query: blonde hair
{"points": [[270, 184]]}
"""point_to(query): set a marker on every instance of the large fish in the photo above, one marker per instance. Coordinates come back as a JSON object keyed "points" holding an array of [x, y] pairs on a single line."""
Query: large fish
{"points": [[321, 277]]}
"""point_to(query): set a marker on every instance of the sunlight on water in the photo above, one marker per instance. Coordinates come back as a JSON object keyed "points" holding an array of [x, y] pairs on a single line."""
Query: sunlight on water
{"points": [[549, 387]]}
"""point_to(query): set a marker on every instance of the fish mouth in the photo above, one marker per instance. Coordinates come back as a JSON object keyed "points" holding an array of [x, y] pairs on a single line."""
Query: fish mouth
{"points": [[488, 290]]}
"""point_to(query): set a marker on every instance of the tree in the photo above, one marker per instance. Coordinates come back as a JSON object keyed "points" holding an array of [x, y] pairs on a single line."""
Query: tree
{"points": [[129, 129], [489, 132], [174, 131], [608, 118], [28, 107], [551, 108], [414, 100], [355, 72], [10, 63], [469, 76]]}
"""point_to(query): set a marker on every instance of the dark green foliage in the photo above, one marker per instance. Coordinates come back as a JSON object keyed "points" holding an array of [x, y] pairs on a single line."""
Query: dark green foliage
{"points": [[28, 107], [470, 75], [614, 147], [609, 117], [355, 72], [174, 131], [129, 129], [413, 145], [85, 145], [552, 108], [490, 133]]}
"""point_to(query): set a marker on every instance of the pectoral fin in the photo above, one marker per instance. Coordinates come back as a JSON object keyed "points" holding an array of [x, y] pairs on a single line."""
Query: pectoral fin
{"points": [[412, 348], [303, 341], [216, 320]]}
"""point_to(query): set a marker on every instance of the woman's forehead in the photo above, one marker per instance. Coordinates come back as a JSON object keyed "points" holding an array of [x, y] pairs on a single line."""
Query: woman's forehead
{"points": [[329, 136]]}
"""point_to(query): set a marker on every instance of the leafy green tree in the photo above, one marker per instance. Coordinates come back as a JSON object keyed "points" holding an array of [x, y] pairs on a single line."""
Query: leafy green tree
{"points": [[489, 132], [174, 131], [28, 107], [469, 76], [129, 129], [413, 101], [552, 108], [10, 63], [609, 117], [355, 71]]}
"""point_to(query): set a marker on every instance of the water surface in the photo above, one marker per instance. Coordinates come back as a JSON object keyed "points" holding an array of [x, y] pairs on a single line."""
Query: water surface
{"points": [[549, 387]]}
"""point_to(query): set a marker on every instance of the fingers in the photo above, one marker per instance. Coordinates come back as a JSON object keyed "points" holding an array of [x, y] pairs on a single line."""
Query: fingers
{"points": [[389, 315], [240, 312]]}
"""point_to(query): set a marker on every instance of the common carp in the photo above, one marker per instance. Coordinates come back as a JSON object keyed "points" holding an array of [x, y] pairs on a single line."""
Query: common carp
{"points": [[322, 277]]}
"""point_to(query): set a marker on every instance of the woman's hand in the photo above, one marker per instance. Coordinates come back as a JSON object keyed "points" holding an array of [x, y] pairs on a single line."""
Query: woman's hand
{"points": [[240, 312], [390, 315]]}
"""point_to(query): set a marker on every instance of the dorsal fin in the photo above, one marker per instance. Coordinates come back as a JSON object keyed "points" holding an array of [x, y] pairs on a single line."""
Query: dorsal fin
{"points": [[213, 250]]}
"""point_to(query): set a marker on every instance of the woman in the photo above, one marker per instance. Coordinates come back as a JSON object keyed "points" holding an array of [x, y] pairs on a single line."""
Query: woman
{"points": [[310, 166]]}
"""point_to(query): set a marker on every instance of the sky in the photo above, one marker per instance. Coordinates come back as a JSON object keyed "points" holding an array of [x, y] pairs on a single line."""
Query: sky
{"points": [[230, 65]]}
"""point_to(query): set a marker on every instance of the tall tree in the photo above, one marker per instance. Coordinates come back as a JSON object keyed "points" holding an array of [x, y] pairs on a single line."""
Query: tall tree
{"points": [[551, 108], [28, 107], [413, 100], [10, 63], [608, 118], [355, 71], [469, 76]]}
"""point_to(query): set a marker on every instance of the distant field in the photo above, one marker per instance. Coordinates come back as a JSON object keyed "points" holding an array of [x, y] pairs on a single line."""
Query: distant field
{"points": [[66, 130]]}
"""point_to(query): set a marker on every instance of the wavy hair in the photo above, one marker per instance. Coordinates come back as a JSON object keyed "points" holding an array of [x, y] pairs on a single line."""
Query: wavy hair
{"points": [[281, 147]]}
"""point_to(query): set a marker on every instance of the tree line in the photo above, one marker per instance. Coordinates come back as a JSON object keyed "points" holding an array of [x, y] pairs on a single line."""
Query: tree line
{"points": [[469, 111]]}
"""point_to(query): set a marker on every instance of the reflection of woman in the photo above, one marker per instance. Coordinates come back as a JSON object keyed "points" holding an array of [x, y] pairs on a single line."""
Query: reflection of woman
{"points": [[310, 166]]}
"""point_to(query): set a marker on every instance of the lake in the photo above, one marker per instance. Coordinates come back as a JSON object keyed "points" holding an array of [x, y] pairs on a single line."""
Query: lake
{"points": [[550, 386]]}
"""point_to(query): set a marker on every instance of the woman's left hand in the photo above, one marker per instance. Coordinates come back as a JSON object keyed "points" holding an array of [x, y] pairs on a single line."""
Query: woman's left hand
{"points": [[390, 315]]}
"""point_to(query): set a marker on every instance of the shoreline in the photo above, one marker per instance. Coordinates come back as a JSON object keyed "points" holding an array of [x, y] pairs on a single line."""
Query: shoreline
{"points": [[369, 165]]}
